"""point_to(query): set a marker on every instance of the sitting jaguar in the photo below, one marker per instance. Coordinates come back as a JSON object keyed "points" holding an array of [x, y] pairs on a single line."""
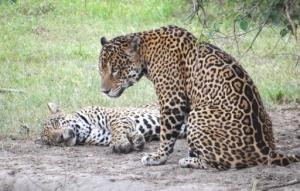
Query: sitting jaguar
{"points": [[228, 126], [123, 129]]}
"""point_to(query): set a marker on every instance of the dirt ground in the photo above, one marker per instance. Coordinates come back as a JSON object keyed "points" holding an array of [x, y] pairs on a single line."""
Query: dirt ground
{"points": [[25, 165]]}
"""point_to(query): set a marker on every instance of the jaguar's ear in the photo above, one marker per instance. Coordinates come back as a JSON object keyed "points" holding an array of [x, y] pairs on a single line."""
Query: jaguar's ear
{"points": [[103, 41], [133, 45], [53, 108]]}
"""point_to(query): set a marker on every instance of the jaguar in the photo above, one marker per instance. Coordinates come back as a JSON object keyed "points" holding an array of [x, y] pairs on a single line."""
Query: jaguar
{"points": [[228, 126], [122, 128]]}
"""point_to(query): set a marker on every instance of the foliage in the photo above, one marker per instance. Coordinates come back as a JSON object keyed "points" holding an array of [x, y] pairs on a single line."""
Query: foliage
{"points": [[248, 16]]}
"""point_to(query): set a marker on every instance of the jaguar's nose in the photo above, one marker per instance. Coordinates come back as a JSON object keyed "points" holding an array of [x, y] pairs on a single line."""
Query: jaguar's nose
{"points": [[105, 91], [71, 133]]}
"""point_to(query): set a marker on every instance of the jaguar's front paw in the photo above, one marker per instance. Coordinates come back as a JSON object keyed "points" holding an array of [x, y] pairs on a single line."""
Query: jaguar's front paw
{"points": [[124, 147], [137, 139], [154, 159]]}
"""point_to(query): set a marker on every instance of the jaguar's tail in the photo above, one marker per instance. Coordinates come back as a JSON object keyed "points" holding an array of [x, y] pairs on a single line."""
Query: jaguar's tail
{"points": [[282, 159]]}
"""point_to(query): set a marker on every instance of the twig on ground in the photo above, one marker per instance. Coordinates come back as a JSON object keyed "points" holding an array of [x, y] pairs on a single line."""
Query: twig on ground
{"points": [[255, 183], [63, 187], [91, 67], [4, 90], [86, 11], [297, 59], [35, 183], [296, 181]]}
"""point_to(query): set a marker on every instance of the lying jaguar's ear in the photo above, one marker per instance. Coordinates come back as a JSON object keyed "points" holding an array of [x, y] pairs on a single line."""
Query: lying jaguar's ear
{"points": [[133, 45], [103, 41], [53, 108]]}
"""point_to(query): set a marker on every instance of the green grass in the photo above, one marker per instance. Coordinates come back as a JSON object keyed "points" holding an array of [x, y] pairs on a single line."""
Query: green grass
{"points": [[50, 50]]}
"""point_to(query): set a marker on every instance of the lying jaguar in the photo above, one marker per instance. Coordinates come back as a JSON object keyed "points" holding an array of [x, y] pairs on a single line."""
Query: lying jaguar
{"points": [[228, 126], [122, 128]]}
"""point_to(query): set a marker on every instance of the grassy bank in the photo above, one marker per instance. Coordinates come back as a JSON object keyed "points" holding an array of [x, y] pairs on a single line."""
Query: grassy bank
{"points": [[49, 49]]}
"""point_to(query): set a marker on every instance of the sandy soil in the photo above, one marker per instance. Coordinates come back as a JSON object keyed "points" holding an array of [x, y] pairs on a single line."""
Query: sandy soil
{"points": [[25, 165]]}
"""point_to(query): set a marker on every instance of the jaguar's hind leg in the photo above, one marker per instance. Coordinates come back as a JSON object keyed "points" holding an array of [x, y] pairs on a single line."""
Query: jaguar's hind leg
{"points": [[193, 161], [218, 144], [209, 150]]}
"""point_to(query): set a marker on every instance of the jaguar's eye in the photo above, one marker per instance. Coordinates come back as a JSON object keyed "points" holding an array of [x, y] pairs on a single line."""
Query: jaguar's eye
{"points": [[114, 72]]}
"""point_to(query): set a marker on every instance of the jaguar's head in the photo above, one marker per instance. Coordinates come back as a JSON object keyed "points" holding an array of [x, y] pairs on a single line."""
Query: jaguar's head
{"points": [[119, 64], [57, 129]]}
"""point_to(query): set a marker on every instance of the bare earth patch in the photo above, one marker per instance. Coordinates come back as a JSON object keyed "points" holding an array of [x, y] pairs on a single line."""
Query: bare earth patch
{"points": [[25, 165]]}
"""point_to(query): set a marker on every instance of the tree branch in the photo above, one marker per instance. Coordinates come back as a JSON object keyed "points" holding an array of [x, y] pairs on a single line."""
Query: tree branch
{"points": [[241, 34], [288, 4], [253, 8], [260, 29], [235, 39]]}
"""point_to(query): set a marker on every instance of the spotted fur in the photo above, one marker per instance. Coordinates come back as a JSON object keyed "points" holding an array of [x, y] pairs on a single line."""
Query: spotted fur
{"points": [[228, 126], [122, 128]]}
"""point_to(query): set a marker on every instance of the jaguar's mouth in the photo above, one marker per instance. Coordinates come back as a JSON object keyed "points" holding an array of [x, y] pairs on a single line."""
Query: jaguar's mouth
{"points": [[115, 93], [62, 139]]}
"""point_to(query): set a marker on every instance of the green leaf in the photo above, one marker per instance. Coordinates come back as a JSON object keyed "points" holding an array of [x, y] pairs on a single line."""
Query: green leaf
{"points": [[286, 22], [202, 38], [244, 25], [230, 3], [12, 1], [290, 28], [239, 18], [241, 6], [233, 15], [284, 32], [216, 28], [276, 2]]}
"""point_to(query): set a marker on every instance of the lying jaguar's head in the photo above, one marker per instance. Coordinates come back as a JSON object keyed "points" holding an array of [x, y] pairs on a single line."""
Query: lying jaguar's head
{"points": [[57, 129]]}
